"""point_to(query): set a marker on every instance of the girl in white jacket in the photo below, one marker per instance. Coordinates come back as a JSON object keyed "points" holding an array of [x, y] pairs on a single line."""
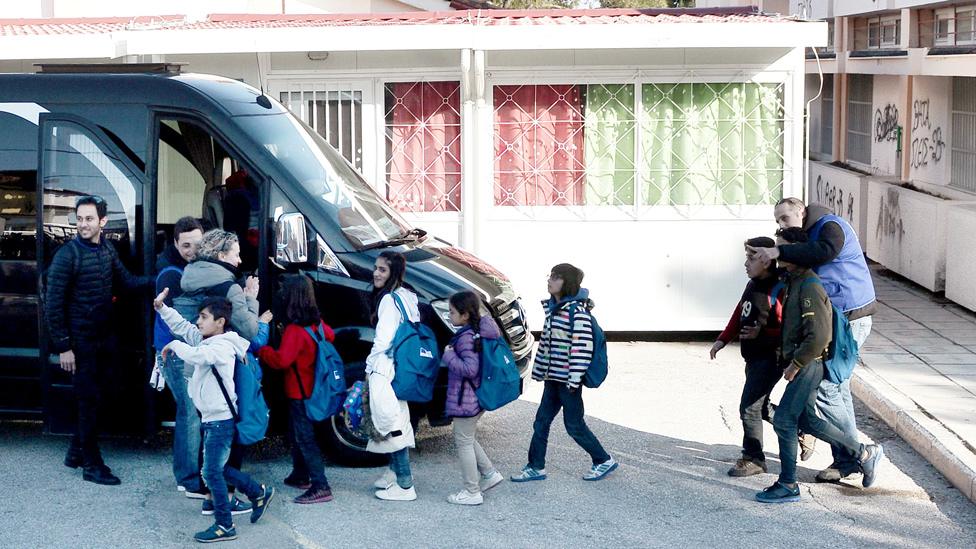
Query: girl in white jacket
{"points": [[391, 416]]}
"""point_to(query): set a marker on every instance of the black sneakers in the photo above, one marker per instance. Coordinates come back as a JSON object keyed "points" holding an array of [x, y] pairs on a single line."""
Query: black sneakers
{"points": [[260, 504], [101, 474]]}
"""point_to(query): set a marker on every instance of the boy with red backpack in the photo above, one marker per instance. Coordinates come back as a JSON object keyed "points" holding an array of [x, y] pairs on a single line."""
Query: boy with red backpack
{"points": [[756, 322]]}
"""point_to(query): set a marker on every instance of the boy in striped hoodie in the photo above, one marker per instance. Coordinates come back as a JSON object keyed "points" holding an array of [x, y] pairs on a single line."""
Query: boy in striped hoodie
{"points": [[564, 354]]}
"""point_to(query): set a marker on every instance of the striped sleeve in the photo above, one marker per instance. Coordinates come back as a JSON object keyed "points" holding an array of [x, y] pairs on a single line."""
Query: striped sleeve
{"points": [[581, 350]]}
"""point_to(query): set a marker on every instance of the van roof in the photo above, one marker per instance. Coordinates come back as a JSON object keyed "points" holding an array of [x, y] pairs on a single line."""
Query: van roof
{"points": [[184, 91]]}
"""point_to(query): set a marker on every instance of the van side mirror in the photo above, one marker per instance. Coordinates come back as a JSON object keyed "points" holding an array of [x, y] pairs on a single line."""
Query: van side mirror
{"points": [[291, 239]]}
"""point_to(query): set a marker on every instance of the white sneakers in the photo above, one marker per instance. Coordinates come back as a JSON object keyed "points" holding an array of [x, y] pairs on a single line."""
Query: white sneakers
{"points": [[386, 480], [464, 497], [490, 480], [395, 493]]}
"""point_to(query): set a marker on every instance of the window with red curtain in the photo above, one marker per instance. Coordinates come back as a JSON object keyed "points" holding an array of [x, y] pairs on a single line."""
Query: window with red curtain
{"points": [[539, 145], [423, 146]]}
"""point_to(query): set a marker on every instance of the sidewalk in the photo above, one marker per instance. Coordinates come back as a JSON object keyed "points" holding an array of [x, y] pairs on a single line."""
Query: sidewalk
{"points": [[918, 374]]}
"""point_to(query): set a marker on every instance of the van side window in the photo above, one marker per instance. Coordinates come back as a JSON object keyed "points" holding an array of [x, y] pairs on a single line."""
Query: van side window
{"points": [[18, 189], [78, 163], [197, 176]]}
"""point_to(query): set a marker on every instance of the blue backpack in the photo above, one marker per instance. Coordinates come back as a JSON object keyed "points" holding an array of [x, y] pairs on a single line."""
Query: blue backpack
{"points": [[251, 413], [329, 391], [500, 380], [598, 369], [416, 358], [842, 352]]}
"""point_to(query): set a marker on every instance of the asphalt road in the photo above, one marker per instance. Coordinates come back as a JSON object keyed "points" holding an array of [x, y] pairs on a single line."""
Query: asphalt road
{"points": [[666, 413]]}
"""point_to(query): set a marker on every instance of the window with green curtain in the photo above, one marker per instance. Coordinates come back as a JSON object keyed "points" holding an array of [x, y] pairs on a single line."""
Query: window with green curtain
{"points": [[609, 144], [712, 143]]}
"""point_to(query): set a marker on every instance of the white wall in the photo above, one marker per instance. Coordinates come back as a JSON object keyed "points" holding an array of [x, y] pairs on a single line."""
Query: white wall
{"points": [[812, 87], [889, 112], [928, 148]]}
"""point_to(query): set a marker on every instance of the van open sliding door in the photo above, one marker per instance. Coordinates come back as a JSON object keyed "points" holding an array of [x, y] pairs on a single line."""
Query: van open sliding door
{"points": [[79, 159]]}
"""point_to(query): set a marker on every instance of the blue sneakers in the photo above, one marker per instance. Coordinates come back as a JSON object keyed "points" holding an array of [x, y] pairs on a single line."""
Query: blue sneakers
{"points": [[529, 474], [260, 504], [237, 507], [779, 493], [216, 533], [601, 470]]}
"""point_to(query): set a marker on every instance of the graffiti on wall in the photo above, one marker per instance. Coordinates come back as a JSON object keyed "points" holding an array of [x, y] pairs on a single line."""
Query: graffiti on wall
{"points": [[928, 145], [886, 123], [890, 224], [834, 198]]}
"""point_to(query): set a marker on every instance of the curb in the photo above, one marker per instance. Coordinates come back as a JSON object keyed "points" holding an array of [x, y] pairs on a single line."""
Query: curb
{"points": [[932, 440]]}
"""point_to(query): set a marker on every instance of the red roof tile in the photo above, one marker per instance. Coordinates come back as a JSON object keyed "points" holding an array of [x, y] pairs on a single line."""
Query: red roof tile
{"points": [[40, 27]]}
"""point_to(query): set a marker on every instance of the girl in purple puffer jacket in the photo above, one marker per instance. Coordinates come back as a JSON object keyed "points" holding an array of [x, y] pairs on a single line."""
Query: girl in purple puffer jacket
{"points": [[463, 361]]}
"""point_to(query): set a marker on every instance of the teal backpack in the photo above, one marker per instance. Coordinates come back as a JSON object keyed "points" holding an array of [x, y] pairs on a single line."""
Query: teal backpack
{"points": [[500, 380], [329, 391], [251, 412], [596, 373], [842, 352], [416, 358]]}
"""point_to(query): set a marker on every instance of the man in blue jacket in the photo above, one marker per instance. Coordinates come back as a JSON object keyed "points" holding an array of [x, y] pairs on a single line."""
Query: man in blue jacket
{"points": [[834, 253]]}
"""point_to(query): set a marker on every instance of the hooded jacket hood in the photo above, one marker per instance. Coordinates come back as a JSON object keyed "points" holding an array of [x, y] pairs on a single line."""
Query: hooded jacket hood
{"points": [[583, 296], [170, 257], [204, 274], [813, 214]]}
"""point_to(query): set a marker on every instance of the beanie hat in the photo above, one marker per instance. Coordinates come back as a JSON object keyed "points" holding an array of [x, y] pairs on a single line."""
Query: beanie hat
{"points": [[215, 242]]}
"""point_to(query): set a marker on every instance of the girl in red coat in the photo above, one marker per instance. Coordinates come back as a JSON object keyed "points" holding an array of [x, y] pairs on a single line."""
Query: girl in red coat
{"points": [[296, 357]]}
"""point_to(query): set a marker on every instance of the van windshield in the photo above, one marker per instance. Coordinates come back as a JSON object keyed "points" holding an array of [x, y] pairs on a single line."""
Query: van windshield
{"points": [[365, 218]]}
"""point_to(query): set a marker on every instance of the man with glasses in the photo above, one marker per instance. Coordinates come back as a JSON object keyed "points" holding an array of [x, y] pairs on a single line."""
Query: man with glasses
{"points": [[78, 308]]}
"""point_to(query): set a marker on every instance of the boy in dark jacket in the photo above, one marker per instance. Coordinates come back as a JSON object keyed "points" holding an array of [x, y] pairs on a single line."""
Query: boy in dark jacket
{"points": [[756, 322], [807, 325], [78, 307]]}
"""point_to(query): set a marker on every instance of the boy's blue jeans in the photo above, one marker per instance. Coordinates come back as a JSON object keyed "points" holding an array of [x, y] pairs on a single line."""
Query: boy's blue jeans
{"points": [[217, 439], [836, 405], [400, 465], [796, 411], [186, 434]]}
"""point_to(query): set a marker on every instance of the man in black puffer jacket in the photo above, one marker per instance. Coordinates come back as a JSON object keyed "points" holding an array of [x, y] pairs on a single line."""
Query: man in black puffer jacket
{"points": [[78, 307]]}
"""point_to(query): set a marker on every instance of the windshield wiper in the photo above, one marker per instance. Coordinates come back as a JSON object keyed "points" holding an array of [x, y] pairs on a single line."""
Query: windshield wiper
{"points": [[409, 236]]}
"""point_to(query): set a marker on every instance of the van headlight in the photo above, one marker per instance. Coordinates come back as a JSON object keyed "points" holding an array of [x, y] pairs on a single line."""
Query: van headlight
{"points": [[443, 309]]}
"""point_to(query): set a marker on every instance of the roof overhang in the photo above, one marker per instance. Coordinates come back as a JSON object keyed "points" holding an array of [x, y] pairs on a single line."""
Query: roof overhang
{"points": [[454, 31]]}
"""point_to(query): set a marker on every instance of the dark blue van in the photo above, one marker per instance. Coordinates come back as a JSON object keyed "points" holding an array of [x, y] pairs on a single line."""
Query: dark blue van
{"points": [[159, 144]]}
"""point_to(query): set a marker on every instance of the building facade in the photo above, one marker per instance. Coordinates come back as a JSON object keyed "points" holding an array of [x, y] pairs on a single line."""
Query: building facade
{"points": [[644, 146]]}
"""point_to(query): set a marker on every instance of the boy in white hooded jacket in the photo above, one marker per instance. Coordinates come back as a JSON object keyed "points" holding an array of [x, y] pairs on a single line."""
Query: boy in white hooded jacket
{"points": [[213, 354]]}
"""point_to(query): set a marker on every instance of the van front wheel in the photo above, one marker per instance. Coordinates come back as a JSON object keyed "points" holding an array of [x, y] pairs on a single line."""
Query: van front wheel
{"points": [[348, 447]]}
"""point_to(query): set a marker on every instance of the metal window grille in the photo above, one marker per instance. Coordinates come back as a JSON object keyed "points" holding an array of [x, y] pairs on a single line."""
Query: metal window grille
{"points": [[827, 115], [963, 170], [861, 89], [337, 115]]}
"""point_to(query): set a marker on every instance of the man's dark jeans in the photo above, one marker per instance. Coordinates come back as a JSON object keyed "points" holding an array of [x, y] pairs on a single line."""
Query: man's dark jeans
{"points": [[556, 396], [305, 445], [94, 365], [754, 406], [797, 411], [217, 439]]}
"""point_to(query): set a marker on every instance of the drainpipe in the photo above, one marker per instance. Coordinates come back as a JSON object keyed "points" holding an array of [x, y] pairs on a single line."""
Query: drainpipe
{"points": [[468, 168], [905, 132]]}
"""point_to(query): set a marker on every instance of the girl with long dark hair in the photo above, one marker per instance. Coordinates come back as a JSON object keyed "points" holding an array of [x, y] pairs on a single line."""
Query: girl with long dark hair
{"points": [[463, 361], [296, 357], [390, 416]]}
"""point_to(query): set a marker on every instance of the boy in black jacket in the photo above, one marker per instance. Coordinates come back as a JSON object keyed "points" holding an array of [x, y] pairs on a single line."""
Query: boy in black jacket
{"points": [[807, 325], [756, 322]]}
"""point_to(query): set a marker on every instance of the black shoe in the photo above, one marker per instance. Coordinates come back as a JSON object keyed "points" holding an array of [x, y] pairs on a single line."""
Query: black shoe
{"points": [[74, 459], [101, 474], [298, 481]]}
